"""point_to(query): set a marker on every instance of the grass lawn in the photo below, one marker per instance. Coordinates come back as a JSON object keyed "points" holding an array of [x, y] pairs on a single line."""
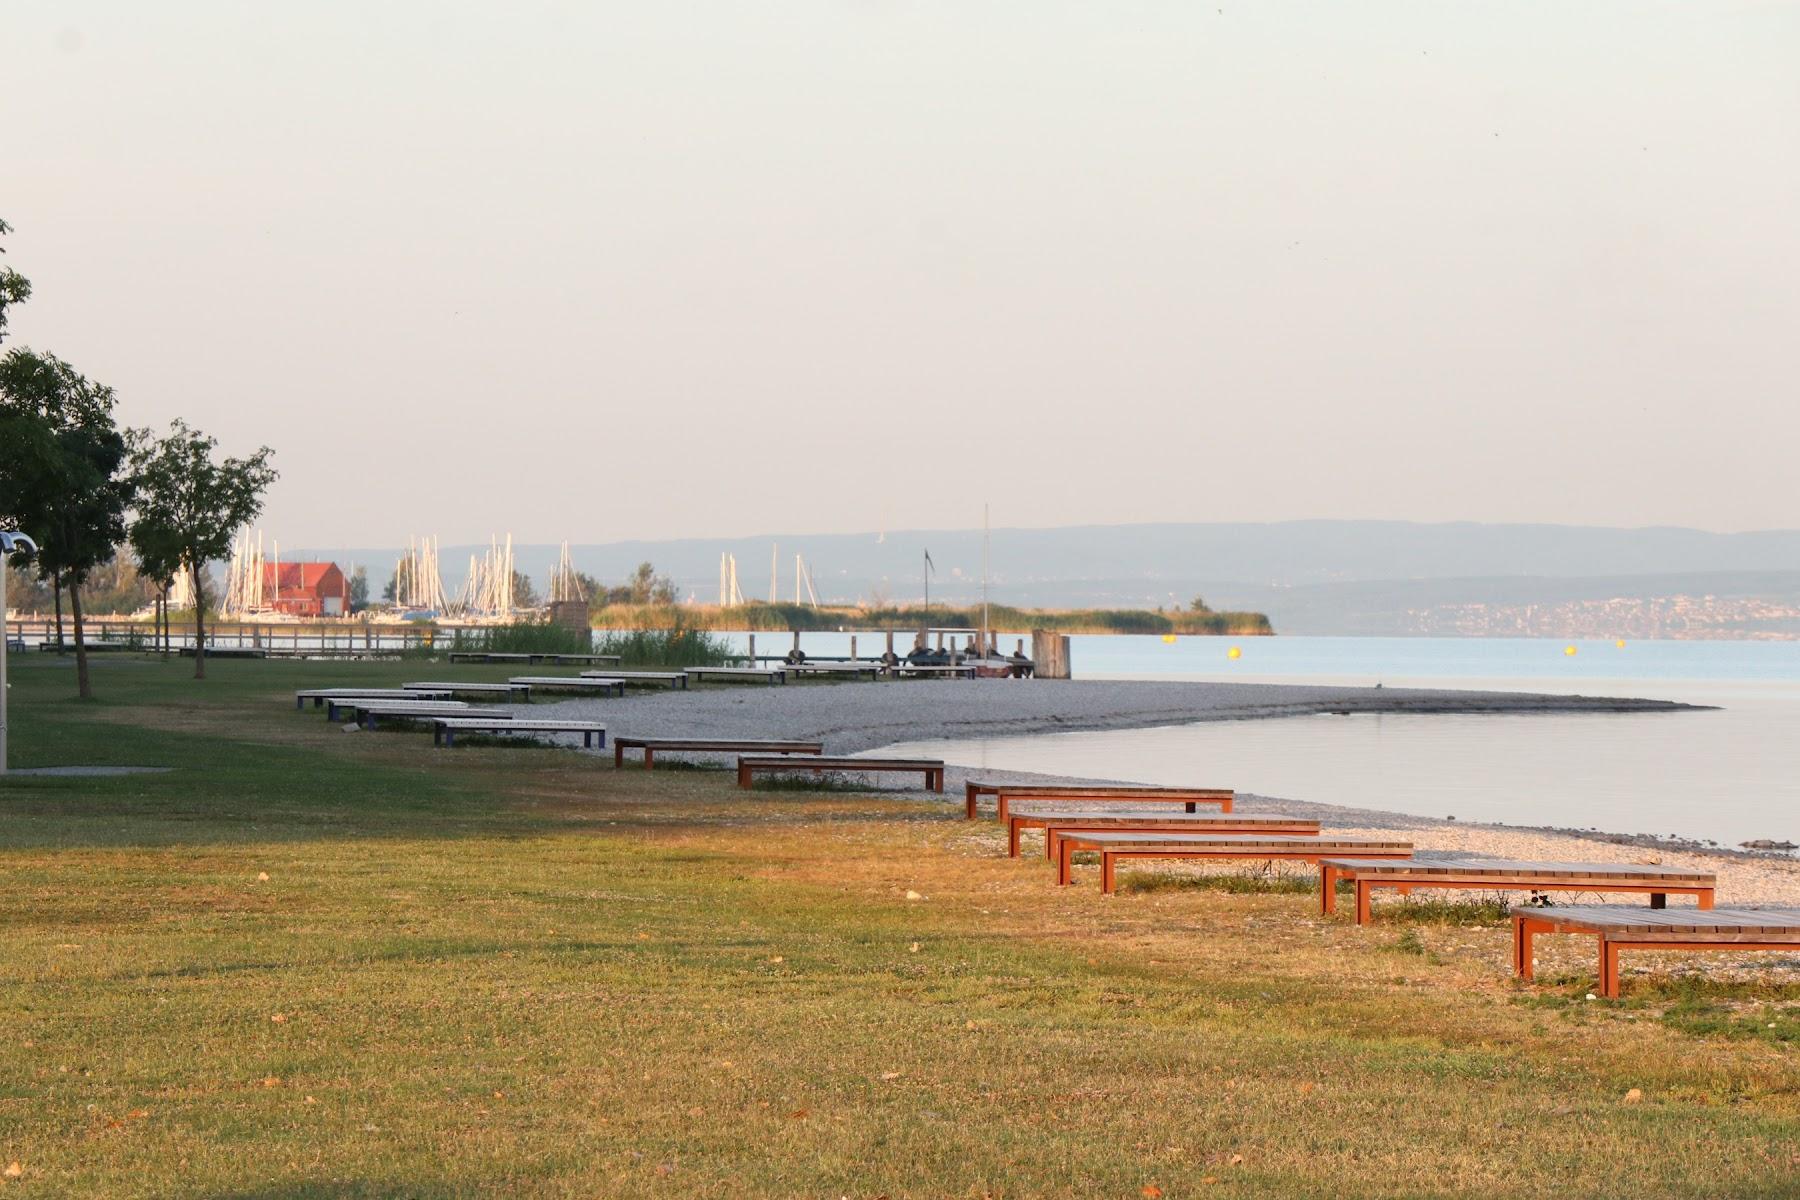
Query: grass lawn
{"points": [[311, 963]]}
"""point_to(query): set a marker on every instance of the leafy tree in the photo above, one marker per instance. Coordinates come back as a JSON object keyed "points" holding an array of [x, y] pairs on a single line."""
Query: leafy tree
{"points": [[63, 473], [14, 287], [524, 595], [1198, 605], [359, 589], [195, 503]]}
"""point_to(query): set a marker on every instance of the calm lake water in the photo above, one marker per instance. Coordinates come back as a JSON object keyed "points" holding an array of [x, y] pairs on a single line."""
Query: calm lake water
{"points": [[1730, 775]]}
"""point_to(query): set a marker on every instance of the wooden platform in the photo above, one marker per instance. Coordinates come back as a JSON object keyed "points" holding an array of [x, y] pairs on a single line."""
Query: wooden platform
{"points": [[445, 729], [520, 692], [651, 747], [1005, 794], [749, 766], [769, 675], [572, 683], [1057, 821], [320, 695], [675, 679], [1505, 875], [1621, 927], [1115, 847]]}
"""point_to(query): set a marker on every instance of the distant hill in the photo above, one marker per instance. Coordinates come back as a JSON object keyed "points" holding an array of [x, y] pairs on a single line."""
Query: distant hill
{"points": [[1309, 576]]}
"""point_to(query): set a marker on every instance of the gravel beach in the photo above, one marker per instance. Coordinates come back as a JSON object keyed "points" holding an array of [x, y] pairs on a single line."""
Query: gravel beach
{"points": [[858, 717]]}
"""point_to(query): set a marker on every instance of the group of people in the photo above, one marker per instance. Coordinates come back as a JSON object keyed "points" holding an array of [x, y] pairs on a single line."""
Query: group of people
{"points": [[923, 655]]}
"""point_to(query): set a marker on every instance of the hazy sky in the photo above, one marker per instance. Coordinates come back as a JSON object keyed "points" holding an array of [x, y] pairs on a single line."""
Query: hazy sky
{"points": [[602, 271]]}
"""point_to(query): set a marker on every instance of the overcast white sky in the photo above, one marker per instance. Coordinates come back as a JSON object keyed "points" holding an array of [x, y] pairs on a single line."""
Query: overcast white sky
{"points": [[603, 271]]}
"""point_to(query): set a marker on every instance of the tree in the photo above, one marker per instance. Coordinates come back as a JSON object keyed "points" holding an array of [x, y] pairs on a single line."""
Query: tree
{"points": [[63, 473], [524, 595], [1199, 606], [359, 590], [195, 503], [14, 287]]}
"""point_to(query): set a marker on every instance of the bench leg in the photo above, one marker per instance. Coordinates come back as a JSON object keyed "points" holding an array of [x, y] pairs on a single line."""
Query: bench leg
{"points": [[1050, 842], [1107, 874], [743, 777], [1706, 897], [1609, 969], [1362, 902], [937, 782], [449, 738], [1012, 839], [969, 801], [1065, 863], [1522, 935], [618, 755], [649, 759], [1327, 889], [1659, 899], [1225, 805]]}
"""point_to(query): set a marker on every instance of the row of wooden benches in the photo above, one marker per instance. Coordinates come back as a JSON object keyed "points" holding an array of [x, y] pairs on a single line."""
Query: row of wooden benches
{"points": [[1116, 834]]}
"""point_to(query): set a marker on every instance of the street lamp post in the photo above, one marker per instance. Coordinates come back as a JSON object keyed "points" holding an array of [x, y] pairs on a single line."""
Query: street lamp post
{"points": [[11, 542]]}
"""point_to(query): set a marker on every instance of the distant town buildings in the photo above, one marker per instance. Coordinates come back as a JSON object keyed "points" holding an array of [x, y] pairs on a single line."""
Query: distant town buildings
{"points": [[1673, 617]]}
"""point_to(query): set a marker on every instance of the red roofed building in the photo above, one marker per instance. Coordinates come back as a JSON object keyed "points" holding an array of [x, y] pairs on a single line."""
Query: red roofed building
{"points": [[306, 589]]}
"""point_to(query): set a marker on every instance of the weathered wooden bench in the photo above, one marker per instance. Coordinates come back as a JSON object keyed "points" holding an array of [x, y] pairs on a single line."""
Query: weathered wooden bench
{"points": [[600, 685], [654, 746], [339, 707], [1114, 847], [853, 670], [370, 713], [1621, 927], [320, 695], [1006, 793], [675, 679], [904, 671], [769, 675], [749, 766], [1057, 821], [487, 656], [445, 729], [1504, 875], [521, 692], [592, 660]]}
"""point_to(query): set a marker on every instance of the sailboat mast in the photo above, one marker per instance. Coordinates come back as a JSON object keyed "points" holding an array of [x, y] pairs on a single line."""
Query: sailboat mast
{"points": [[985, 637]]}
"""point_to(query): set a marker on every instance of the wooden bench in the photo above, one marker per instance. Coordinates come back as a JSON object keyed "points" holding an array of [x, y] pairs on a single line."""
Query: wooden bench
{"points": [[520, 692], [486, 656], [592, 660], [654, 746], [1621, 927], [320, 695], [1005, 793], [571, 683], [345, 704], [445, 729], [1504, 875], [854, 670], [1114, 847], [904, 671], [769, 675], [1057, 821], [749, 766], [675, 679], [369, 713]]}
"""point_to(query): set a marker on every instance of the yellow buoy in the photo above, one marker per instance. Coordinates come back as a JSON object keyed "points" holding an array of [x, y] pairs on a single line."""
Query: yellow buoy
{"points": [[1569, 650], [1620, 643], [1234, 652], [1170, 638]]}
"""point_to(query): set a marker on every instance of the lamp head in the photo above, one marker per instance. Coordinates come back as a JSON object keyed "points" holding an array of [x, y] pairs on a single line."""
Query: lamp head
{"points": [[14, 542]]}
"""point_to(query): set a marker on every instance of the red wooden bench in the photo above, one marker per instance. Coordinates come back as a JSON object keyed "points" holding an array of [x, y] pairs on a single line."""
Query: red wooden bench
{"points": [[1113, 847], [1621, 927], [654, 746], [1056, 821], [1090, 793], [1504, 874]]}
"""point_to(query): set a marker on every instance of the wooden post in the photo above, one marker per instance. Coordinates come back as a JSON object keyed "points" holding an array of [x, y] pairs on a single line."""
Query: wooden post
{"points": [[753, 649], [1050, 654], [853, 647]]}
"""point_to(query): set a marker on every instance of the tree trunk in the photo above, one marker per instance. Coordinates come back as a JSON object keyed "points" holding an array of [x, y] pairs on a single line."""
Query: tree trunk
{"points": [[163, 623], [56, 591], [199, 624], [82, 688]]}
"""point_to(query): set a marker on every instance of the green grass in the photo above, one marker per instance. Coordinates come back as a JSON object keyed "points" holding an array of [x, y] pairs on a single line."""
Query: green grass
{"points": [[501, 971]]}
